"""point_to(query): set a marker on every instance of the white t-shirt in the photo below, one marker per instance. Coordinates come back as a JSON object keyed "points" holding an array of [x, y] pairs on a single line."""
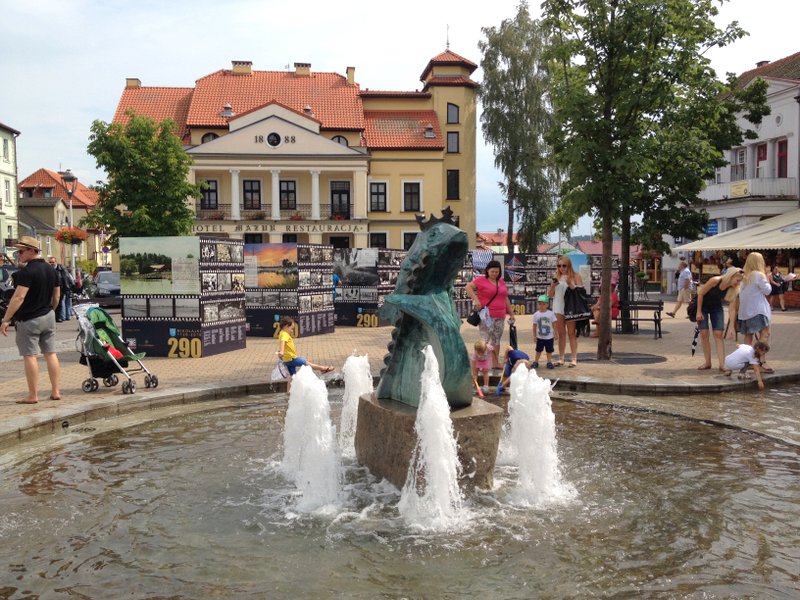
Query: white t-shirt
{"points": [[683, 276], [544, 324], [741, 357]]}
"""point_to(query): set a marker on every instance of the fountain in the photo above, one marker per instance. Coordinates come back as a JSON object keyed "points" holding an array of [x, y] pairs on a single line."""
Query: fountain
{"points": [[423, 313]]}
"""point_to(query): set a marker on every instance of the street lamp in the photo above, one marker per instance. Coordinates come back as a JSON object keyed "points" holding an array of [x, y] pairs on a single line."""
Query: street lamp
{"points": [[70, 184]]}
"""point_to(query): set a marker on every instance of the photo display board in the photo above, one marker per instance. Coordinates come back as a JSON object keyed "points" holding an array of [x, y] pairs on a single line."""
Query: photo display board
{"points": [[289, 279], [182, 296], [596, 272], [464, 276], [363, 277]]}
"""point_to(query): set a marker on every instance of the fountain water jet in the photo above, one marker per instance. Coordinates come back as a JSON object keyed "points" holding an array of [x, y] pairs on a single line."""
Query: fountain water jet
{"points": [[431, 498], [532, 440], [310, 457], [357, 376]]}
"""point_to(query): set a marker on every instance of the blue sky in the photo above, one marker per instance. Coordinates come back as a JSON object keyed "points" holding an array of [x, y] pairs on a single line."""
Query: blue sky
{"points": [[64, 62]]}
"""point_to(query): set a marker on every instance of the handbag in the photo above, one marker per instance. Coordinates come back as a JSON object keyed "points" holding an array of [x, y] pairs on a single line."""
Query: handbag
{"points": [[691, 309], [576, 304], [280, 372], [512, 336], [475, 316]]}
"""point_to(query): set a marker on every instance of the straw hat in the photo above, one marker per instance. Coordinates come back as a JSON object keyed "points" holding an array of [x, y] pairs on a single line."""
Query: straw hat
{"points": [[27, 242]]}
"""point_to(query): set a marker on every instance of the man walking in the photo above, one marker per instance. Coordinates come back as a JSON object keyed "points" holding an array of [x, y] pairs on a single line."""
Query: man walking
{"points": [[685, 286], [65, 281], [32, 308]]}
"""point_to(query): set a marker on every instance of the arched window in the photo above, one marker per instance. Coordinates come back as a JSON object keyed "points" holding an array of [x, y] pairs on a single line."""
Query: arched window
{"points": [[209, 137], [452, 113], [340, 139]]}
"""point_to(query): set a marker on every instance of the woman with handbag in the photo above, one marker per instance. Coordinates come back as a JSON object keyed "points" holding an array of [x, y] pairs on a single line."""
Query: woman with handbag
{"points": [[565, 278], [711, 312], [489, 291]]}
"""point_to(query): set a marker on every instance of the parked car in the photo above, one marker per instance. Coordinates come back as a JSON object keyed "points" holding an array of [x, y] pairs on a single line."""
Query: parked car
{"points": [[104, 288]]}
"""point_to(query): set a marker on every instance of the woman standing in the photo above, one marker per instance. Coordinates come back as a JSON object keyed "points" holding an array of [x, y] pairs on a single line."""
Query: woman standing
{"points": [[754, 311], [565, 277], [710, 311], [490, 290], [776, 281]]}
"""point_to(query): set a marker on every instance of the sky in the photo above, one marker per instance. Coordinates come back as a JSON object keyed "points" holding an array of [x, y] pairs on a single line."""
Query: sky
{"points": [[63, 63]]}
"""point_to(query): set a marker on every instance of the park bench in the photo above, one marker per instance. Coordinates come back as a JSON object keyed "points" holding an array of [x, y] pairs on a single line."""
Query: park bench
{"points": [[641, 310]]}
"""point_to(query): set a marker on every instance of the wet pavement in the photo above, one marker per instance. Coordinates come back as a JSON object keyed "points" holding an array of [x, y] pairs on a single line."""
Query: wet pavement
{"points": [[645, 374]]}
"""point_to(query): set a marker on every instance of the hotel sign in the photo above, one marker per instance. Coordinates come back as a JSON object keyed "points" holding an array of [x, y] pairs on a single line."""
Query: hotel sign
{"points": [[739, 189], [282, 227]]}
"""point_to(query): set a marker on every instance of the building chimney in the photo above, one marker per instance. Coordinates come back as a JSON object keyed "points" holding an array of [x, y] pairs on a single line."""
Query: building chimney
{"points": [[302, 69], [227, 110], [242, 67], [351, 75], [133, 82], [761, 63]]}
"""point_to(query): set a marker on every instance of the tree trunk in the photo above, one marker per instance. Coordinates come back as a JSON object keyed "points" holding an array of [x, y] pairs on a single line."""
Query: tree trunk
{"points": [[604, 320]]}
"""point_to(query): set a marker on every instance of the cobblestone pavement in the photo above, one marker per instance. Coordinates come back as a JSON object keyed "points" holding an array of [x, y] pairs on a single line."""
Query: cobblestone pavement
{"points": [[646, 373]]}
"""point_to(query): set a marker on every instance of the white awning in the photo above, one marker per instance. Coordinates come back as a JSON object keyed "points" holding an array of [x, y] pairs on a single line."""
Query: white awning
{"points": [[777, 233]]}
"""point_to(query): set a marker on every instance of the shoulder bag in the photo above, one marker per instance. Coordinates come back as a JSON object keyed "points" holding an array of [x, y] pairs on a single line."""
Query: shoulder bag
{"points": [[474, 318]]}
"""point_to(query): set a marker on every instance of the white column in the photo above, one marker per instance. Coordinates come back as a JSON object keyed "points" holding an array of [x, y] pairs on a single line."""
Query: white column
{"points": [[315, 195], [276, 198], [236, 214]]}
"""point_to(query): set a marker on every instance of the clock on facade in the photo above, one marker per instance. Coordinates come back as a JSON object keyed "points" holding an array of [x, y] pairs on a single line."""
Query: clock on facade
{"points": [[274, 139]]}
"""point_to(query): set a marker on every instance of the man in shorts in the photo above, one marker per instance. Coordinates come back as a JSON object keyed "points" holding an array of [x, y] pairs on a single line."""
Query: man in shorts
{"points": [[685, 287], [33, 307]]}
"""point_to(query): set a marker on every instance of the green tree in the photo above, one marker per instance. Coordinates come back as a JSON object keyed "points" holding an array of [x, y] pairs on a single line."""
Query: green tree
{"points": [[642, 118], [147, 190], [516, 116]]}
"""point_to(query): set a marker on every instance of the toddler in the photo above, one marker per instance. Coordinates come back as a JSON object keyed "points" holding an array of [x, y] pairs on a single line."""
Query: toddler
{"points": [[544, 331], [746, 357], [513, 358], [482, 363]]}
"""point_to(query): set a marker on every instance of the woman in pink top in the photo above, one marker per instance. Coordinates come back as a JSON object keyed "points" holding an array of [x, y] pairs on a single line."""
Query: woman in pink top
{"points": [[490, 290]]}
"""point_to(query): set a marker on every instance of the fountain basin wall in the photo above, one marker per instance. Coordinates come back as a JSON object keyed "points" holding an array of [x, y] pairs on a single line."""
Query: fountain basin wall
{"points": [[385, 440]]}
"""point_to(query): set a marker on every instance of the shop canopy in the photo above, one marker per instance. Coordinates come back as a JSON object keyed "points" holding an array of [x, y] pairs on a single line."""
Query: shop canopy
{"points": [[776, 233]]}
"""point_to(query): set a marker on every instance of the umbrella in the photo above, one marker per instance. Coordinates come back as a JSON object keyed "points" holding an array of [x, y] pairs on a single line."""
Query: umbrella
{"points": [[694, 339], [512, 336]]}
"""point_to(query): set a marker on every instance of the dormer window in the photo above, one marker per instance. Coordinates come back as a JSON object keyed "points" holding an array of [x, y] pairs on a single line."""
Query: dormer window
{"points": [[340, 139], [208, 137], [227, 110], [429, 133]]}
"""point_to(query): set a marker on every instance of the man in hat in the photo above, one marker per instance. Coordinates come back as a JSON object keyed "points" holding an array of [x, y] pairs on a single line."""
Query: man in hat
{"points": [[32, 307]]}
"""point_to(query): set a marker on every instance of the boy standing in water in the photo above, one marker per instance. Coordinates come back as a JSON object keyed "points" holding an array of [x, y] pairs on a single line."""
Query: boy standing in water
{"points": [[288, 354]]}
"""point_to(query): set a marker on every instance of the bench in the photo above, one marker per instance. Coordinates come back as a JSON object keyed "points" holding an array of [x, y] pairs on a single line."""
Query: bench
{"points": [[651, 311]]}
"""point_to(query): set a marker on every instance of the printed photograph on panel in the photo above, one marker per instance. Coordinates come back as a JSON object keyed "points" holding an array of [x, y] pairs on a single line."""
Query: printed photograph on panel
{"points": [[237, 253], [356, 266], [305, 303], [223, 253], [303, 254], [275, 265], [304, 278], [134, 307], [160, 265], [161, 308], [316, 302], [210, 312], [272, 298], [316, 255], [327, 299], [208, 282], [230, 310], [289, 299], [327, 254], [187, 308], [208, 251], [349, 294], [237, 282], [254, 297], [369, 295], [315, 278], [223, 282]]}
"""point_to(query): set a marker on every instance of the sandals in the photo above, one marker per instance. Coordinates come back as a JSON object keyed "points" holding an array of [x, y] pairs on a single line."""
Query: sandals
{"points": [[671, 314], [572, 364]]}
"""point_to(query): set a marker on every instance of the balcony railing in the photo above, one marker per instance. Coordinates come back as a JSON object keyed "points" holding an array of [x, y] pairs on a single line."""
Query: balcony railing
{"points": [[301, 212], [762, 187]]}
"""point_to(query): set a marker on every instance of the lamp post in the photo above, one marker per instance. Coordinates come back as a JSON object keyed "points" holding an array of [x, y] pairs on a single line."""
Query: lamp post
{"points": [[70, 184]]}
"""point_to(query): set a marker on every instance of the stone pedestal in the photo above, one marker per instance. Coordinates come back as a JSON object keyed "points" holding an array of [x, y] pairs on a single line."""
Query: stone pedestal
{"points": [[385, 439]]}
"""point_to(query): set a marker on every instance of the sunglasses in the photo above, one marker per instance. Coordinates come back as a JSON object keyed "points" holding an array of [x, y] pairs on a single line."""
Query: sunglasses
{"points": [[562, 266]]}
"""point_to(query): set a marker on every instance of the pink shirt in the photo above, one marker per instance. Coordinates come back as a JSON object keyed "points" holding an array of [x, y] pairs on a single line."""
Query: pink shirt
{"points": [[482, 361], [485, 291]]}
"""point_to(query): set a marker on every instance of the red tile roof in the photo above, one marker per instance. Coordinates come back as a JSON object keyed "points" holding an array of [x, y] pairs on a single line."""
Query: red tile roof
{"points": [[333, 102], [785, 68], [448, 58], [393, 94], [450, 80], [45, 179], [401, 129], [592, 247], [157, 103], [495, 239]]}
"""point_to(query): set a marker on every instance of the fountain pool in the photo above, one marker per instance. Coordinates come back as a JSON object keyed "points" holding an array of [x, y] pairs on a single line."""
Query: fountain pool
{"points": [[196, 506]]}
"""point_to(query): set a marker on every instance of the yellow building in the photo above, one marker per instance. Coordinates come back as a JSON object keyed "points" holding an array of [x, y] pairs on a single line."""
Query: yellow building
{"points": [[299, 156]]}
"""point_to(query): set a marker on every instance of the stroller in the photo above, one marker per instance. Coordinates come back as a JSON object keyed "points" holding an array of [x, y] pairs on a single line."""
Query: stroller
{"points": [[105, 352]]}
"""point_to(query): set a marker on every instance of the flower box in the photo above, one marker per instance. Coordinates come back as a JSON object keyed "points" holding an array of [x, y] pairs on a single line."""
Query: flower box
{"points": [[71, 235]]}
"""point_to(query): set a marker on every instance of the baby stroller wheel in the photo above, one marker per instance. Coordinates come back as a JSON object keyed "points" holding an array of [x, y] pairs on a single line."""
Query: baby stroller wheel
{"points": [[153, 381], [128, 387], [147, 381], [110, 381], [86, 386], [95, 385]]}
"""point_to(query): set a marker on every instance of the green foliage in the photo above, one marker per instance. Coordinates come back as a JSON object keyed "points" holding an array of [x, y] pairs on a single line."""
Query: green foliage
{"points": [[148, 190], [516, 116], [87, 265], [642, 119]]}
